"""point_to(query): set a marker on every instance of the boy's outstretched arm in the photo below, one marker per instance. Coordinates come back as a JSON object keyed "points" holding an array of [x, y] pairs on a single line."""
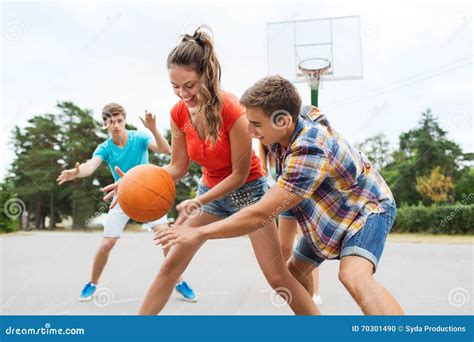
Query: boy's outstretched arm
{"points": [[159, 145], [246, 221], [79, 170]]}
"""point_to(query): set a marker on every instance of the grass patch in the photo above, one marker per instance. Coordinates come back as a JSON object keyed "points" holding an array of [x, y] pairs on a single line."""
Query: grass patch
{"points": [[430, 238]]}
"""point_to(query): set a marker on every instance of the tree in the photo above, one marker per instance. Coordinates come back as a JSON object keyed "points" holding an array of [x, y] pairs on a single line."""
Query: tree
{"points": [[377, 149], [34, 168], [435, 188], [465, 186], [80, 135], [49, 143], [429, 145], [420, 151]]}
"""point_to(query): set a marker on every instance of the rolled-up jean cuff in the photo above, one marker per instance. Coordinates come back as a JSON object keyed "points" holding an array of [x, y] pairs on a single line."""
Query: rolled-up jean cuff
{"points": [[360, 252], [304, 258]]}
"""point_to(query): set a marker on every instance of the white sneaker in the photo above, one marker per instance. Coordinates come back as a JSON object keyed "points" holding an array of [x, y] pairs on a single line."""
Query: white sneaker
{"points": [[317, 300]]}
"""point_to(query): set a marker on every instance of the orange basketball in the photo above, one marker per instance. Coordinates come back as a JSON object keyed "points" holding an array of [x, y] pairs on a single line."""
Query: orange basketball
{"points": [[146, 193]]}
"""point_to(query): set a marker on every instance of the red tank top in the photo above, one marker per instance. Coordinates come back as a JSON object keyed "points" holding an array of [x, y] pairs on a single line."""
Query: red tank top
{"points": [[215, 160]]}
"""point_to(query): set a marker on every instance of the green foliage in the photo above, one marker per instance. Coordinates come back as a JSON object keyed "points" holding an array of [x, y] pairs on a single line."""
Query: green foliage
{"points": [[420, 151], [377, 149], [453, 219], [10, 212], [43, 148], [50, 143], [465, 184], [80, 136], [435, 188], [37, 149]]}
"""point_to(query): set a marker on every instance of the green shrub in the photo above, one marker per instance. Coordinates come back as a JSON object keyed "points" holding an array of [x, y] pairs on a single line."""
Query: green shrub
{"points": [[8, 222], [453, 219]]}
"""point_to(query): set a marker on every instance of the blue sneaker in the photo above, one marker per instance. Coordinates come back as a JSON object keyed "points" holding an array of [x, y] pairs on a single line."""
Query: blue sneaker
{"points": [[186, 291], [87, 292]]}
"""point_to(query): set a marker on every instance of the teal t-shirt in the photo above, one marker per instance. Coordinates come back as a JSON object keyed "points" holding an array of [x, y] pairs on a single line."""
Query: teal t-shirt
{"points": [[135, 152]]}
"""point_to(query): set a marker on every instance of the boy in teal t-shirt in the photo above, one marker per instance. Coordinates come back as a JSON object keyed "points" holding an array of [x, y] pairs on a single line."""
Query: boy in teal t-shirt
{"points": [[125, 149]]}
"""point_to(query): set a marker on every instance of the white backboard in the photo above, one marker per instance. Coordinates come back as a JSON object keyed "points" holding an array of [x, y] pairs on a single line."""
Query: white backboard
{"points": [[337, 39]]}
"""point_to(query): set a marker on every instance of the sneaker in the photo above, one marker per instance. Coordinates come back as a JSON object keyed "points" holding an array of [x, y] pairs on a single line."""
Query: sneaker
{"points": [[87, 292], [317, 300], [186, 291]]}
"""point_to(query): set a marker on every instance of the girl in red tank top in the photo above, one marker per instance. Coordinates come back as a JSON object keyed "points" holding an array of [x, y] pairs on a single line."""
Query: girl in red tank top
{"points": [[208, 127]]}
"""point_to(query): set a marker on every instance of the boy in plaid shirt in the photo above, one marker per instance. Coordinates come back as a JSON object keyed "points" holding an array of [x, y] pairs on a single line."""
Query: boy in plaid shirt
{"points": [[342, 204]]}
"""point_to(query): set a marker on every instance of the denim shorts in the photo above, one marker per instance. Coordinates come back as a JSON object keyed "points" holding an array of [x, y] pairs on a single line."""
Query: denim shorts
{"points": [[367, 243], [247, 194], [288, 215]]}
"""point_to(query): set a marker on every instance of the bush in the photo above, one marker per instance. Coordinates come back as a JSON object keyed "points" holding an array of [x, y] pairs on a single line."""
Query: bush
{"points": [[453, 219], [8, 226], [8, 223]]}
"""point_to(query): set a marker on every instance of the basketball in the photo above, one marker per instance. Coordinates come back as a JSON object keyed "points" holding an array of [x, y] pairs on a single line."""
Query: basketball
{"points": [[146, 193]]}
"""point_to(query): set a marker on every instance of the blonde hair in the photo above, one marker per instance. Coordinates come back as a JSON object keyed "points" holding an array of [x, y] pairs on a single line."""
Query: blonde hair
{"points": [[197, 52]]}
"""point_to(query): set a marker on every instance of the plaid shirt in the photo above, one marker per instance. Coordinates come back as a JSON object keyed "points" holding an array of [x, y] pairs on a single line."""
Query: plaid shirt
{"points": [[339, 185]]}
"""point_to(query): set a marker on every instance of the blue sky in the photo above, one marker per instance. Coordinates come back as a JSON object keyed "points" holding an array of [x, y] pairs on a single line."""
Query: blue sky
{"points": [[415, 55]]}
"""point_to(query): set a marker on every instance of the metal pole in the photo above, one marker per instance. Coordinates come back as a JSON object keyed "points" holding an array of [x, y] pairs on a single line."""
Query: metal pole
{"points": [[314, 97]]}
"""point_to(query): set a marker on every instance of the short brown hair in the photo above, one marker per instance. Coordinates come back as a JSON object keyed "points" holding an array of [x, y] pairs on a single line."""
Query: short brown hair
{"points": [[272, 94], [113, 109]]}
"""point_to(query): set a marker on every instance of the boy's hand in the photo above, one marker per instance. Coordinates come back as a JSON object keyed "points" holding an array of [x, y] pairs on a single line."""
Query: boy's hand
{"points": [[113, 189], [170, 236], [149, 121], [68, 175]]}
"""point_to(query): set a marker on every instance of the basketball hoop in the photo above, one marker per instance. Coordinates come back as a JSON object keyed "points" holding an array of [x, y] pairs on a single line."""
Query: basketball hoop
{"points": [[313, 50], [314, 68]]}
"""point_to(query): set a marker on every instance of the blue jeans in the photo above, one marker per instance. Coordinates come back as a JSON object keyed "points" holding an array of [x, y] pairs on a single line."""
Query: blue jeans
{"points": [[367, 243], [288, 214], [238, 199]]}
